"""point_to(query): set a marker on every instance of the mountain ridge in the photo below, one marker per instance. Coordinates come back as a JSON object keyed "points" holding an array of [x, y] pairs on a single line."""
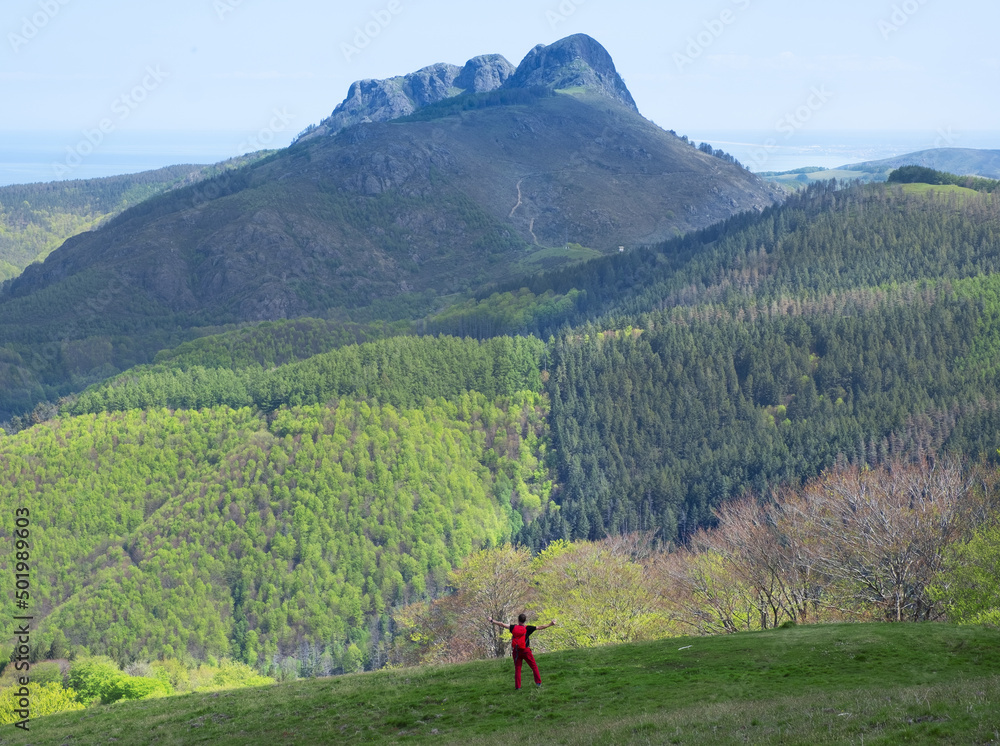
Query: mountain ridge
{"points": [[384, 216], [575, 61]]}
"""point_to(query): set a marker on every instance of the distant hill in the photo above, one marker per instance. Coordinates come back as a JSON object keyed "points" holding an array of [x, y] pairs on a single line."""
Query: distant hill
{"points": [[961, 161], [37, 218], [800, 178], [463, 192]]}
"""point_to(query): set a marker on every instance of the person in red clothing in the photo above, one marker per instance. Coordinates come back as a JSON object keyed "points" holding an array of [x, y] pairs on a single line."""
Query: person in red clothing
{"points": [[520, 647]]}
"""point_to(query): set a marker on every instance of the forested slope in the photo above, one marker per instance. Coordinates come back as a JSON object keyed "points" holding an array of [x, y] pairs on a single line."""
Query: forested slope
{"points": [[270, 492], [401, 371], [822, 243], [655, 427], [856, 324], [35, 219], [223, 532]]}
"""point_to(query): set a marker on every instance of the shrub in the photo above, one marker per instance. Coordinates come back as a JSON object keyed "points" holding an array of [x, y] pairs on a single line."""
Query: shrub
{"points": [[46, 699], [94, 678], [99, 679]]}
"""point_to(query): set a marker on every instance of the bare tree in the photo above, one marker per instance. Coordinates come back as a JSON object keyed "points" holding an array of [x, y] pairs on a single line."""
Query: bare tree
{"points": [[453, 628], [881, 532], [700, 590], [764, 551]]}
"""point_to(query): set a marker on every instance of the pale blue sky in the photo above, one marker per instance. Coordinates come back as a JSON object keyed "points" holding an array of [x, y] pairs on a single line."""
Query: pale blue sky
{"points": [[263, 69]]}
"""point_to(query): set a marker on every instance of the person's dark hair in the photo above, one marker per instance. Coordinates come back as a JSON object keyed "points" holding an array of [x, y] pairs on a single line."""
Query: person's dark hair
{"points": [[522, 618]]}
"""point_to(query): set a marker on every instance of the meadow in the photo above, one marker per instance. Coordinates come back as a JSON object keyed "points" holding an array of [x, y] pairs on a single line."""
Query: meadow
{"points": [[823, 684]]}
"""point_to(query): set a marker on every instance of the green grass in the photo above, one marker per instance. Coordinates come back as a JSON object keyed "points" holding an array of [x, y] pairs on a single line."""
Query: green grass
{"points": [[938, 189], [573, 90], [548, 258], [792, 182], [880, 684]]}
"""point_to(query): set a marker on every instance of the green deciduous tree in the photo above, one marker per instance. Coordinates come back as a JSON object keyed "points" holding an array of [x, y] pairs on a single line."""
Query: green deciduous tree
{"points": [[600, 592], [967, 585], [46, 699]]}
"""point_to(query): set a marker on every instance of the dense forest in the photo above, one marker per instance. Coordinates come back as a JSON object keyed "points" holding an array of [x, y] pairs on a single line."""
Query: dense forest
{"points": [[656, 426], [224, 532], [401, 371], [922, 175], [293, 494]]}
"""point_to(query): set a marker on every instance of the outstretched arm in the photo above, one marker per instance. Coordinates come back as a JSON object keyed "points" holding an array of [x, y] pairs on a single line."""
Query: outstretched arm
{"points": [[499, 624], [546, 626]]}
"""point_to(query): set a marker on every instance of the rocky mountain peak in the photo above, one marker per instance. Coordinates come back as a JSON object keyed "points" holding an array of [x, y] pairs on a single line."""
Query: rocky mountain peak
{"points": [[383, 100], [484, 73], [576, 61]]}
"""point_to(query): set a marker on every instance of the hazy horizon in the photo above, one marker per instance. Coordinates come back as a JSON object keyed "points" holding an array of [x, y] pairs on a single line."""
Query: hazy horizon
{"points": [[249, 74], [34, 157]]}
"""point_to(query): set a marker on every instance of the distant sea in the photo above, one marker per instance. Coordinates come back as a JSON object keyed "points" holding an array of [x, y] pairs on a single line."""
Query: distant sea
{"points": [[27, 157]]}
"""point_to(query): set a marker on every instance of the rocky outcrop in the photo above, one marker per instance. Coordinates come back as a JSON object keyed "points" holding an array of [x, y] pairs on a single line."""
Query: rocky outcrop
{"points": [[577, 61], [383, 100], [484, 73]]}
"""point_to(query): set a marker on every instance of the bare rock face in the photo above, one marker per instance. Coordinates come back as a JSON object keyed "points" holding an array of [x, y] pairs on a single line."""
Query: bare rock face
{"points": [[383, 100], [484, 73], [577, 61], [430, 84]]}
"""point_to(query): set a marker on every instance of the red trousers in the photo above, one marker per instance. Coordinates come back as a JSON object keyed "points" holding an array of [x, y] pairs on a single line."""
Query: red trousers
{"points": [[521, 655]]}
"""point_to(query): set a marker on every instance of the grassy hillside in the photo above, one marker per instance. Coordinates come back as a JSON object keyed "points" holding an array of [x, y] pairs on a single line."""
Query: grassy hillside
{"points": [[800, 178], [939, 189], [883, 684]]}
